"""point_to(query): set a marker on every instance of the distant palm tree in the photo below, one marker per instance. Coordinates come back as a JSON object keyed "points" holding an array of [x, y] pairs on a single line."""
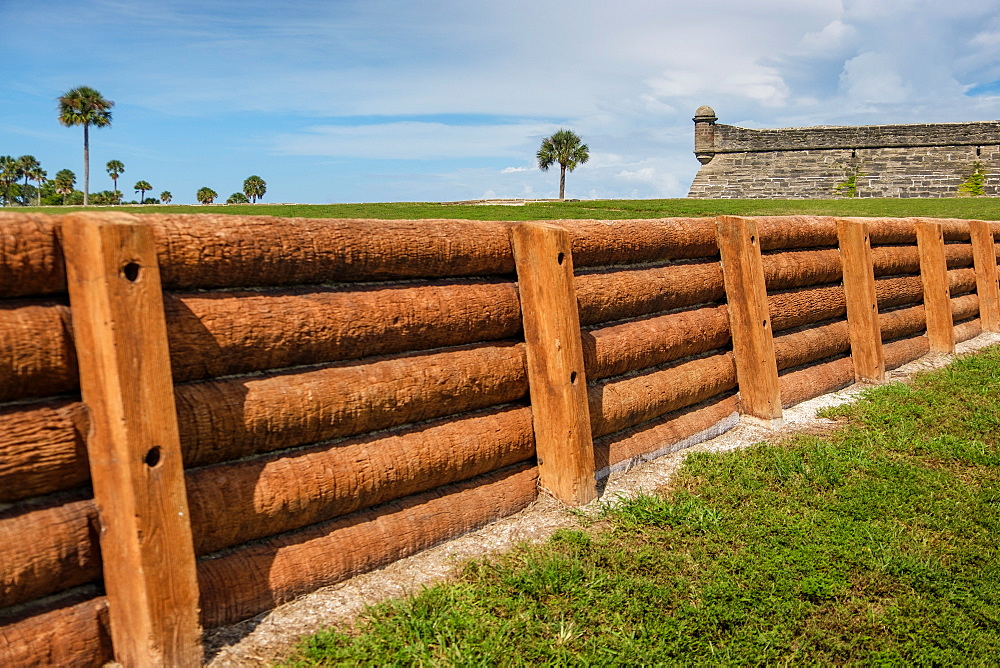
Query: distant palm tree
{"points": [[115, 169], [65, 182], [564, 147], [26, 165], [141, 187], [237, 198], [85, 106], [206, 195], [38, 175], [165, 197], [9, 174], [254, 188]]}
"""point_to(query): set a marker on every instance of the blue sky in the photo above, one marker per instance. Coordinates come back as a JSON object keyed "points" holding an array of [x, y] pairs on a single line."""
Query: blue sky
{"points": [[440, 100]]}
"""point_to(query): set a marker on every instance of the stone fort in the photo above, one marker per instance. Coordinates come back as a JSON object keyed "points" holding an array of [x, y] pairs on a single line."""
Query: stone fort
{"points": [[912, 160]]}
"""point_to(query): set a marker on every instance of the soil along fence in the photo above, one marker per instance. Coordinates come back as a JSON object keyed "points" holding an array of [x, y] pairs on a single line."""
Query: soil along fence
{"points": [[202, 417]]}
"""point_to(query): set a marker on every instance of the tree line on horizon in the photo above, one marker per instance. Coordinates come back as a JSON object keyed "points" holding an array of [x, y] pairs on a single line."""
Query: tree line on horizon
{"points": [[87, 107]]}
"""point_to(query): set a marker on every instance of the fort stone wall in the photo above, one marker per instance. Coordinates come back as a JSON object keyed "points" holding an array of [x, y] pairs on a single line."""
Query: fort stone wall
{"points": [[912, 160]]}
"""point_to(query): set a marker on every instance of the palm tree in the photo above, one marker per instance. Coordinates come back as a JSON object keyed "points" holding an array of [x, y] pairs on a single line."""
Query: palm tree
{"points": [[65, 182], [206, 195], [85, 106], [565, 148], [115, 169], [26, 165], [141, 187], [38, 175], [254, 188], [237, 198], [165, 197], [9, 174]]}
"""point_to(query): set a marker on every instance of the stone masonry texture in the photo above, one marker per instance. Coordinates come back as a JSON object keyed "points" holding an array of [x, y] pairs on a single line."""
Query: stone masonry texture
{"points": [[914, 160]]}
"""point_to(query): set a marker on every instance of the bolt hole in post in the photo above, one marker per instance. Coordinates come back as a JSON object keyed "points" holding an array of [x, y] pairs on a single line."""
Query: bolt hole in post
{"points": [[572, 378], [152, 457], [131, 271], [753, 239], [560, 258]]}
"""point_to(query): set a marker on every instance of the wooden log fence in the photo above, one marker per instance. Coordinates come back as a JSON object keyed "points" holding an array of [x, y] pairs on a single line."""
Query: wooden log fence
{"points": [[202, 417]]}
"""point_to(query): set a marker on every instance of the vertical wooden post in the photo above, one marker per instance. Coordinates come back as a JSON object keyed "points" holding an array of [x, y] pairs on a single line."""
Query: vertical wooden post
{"points": [[937, 294], [749, 318], [556, 378], [862, 302], [984, 254], [133, 445]]}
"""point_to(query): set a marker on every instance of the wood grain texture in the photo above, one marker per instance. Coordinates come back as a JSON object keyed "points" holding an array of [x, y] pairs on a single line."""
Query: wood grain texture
{"points": [[862, 301], [903, 351], [36, 352], [749, 317], [795, 308], [236, 417], [258, 577], [659, 435], [620, 403], [639, 344], [898, 290], [984, 252], [238, 502], [133, 447], [42, 448], [74, 635], [804, 384], [48, 549], [784, 232], [556, 371], [615, 294], [900, 322], [895, 260], [31, 261], [618, 242], [797, 268], [794, 348], [961, 281], [968, 330], [934, 278]]}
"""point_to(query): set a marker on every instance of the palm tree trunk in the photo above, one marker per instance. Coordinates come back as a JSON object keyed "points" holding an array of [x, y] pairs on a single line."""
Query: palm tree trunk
{"points": [[562, 181], [86, 164]]}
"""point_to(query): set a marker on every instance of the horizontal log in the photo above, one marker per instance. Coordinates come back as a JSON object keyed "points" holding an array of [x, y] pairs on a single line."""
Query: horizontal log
{"points": [[640, 344], [793, 349], [798, 268], [75, 634], [616, 294], [232, 418], [903, 351], [250, 580], [964, 307], [898, 290], [37, 358], [235, 503], [225, 333], [954, 229], [968, 330], [961, 281], [794, 308], [42, 448], [902, 322], [813, 381], [615, 242], [42, 443], [31, 259], [783, 232], [895, 260], [621, 403], [48, 549], [959, 255], [664, 434]]}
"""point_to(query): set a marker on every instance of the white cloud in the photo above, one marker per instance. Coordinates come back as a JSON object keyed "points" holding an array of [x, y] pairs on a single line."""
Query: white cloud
{"points": [[514, 170], [871, 78]]}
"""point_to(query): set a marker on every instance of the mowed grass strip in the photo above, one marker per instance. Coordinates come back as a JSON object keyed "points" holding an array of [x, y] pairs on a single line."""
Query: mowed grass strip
{"points": [[980, 208], [874, 544]]}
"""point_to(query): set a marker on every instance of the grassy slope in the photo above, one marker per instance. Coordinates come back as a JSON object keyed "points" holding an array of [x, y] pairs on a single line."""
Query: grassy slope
{"points": [[876, 544], [973, 208]]}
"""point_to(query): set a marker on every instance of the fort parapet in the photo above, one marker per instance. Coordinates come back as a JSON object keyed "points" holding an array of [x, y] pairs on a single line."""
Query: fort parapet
{"points": [[910, 160]]}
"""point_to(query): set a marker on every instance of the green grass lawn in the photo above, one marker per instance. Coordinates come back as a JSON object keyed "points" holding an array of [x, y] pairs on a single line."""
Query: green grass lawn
{"points": [[874, 544], [982, 208]]}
